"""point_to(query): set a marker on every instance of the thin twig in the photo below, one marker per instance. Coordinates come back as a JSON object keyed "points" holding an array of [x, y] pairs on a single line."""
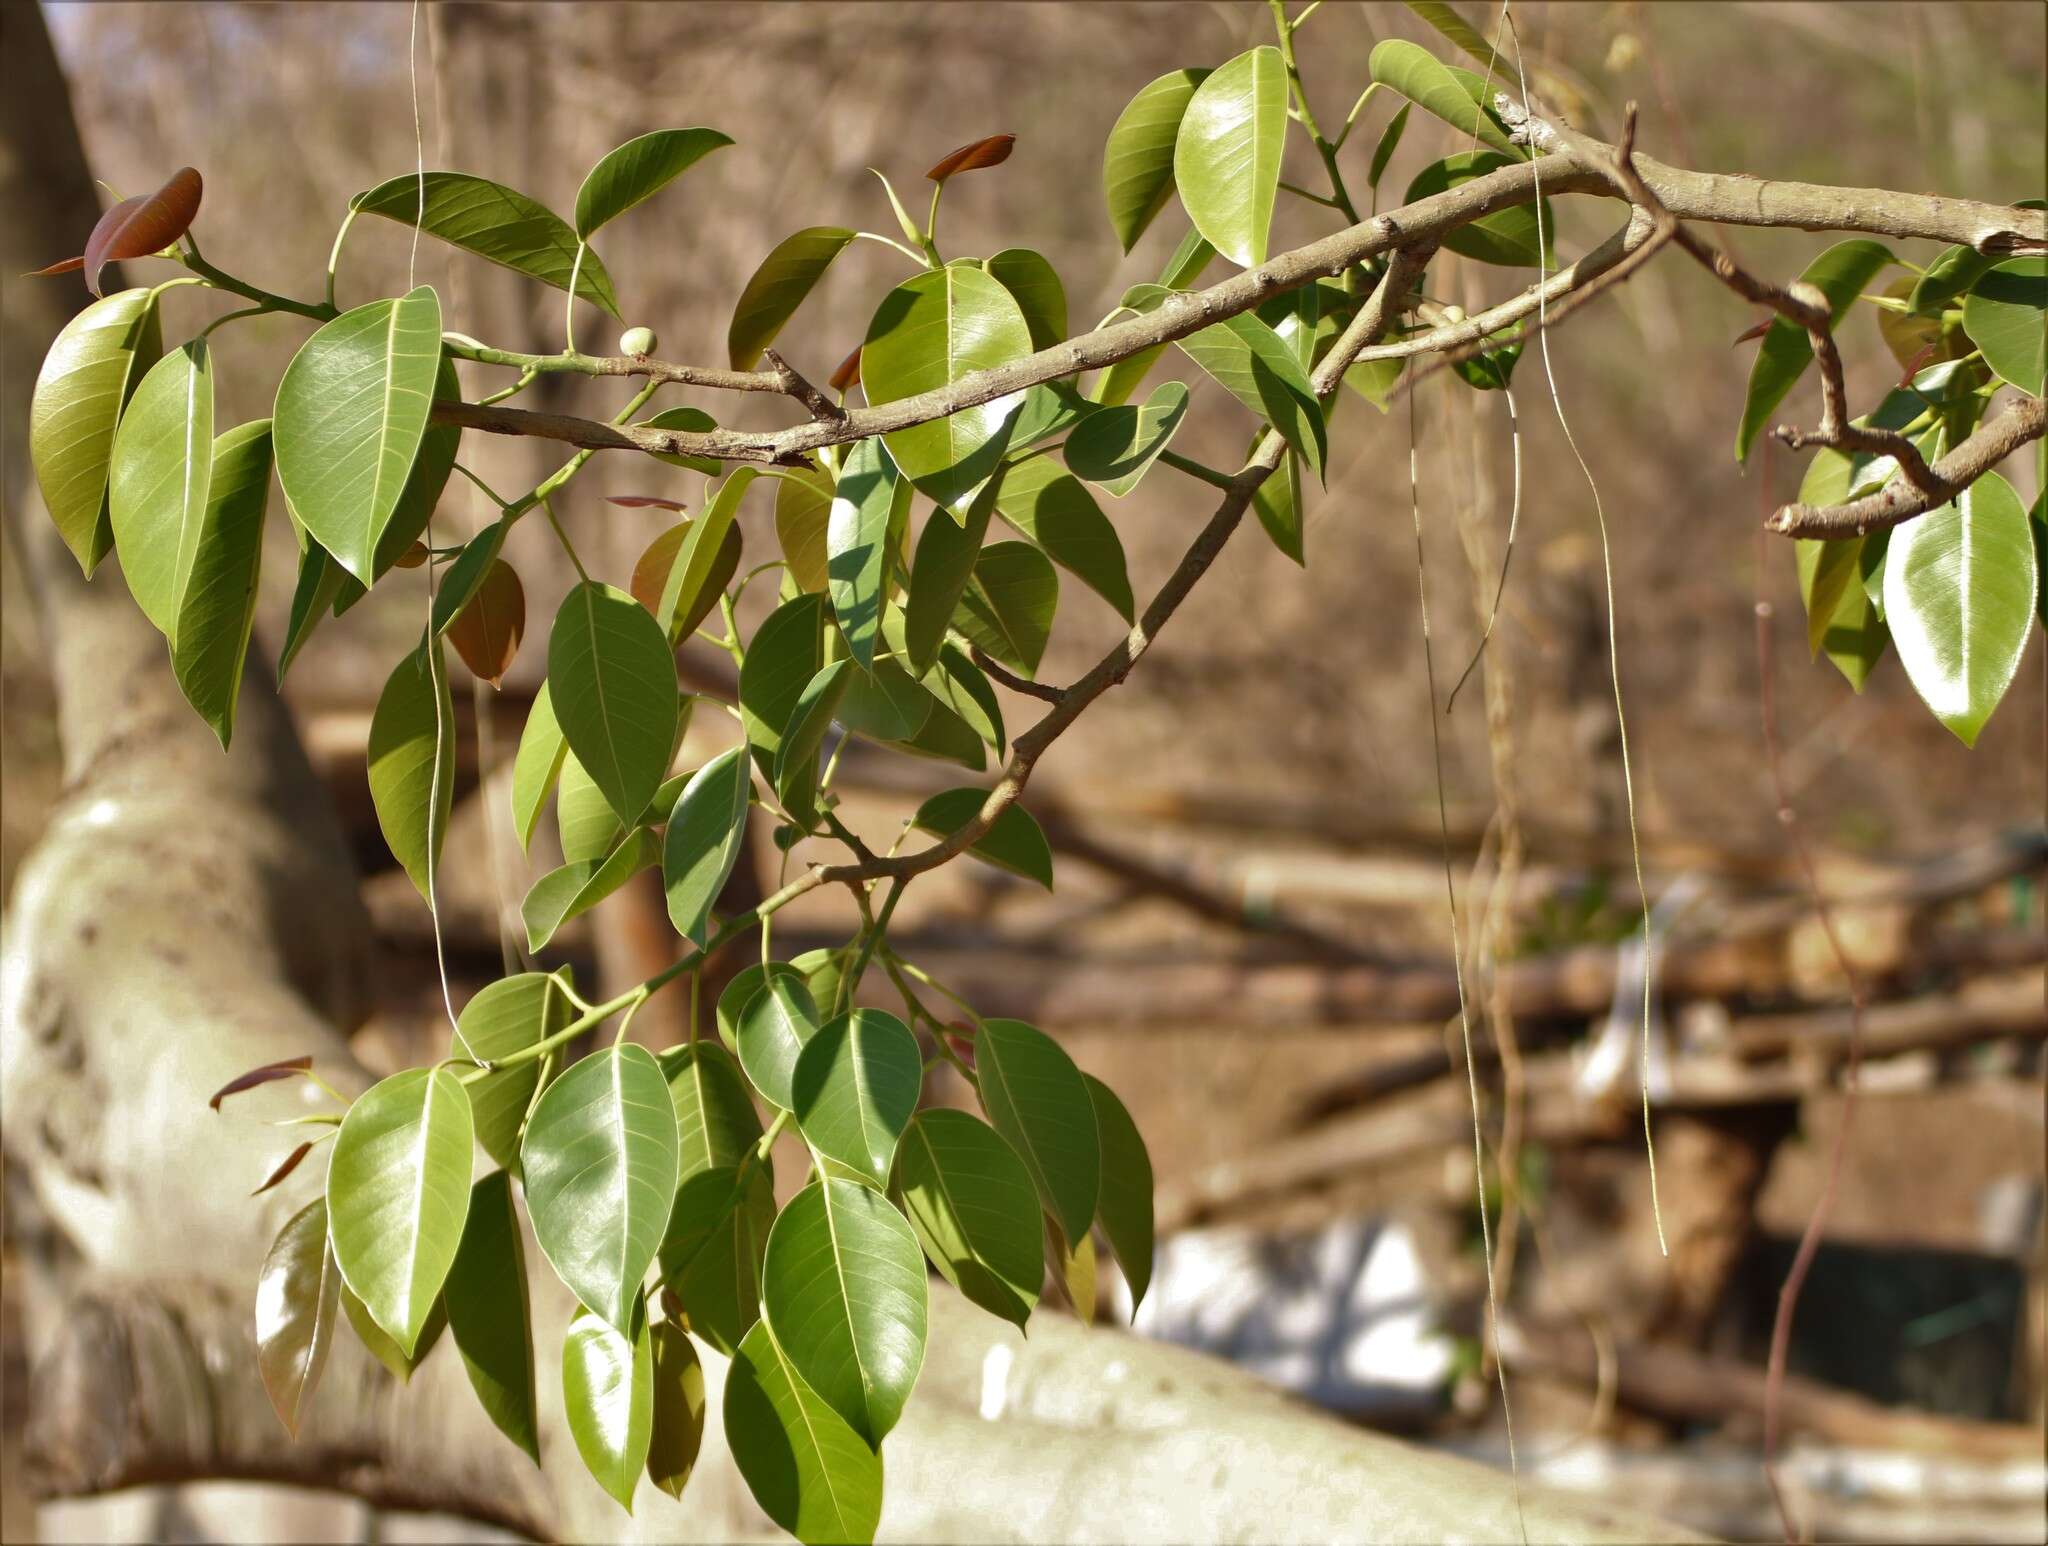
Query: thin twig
{"points": [[996, 671]]}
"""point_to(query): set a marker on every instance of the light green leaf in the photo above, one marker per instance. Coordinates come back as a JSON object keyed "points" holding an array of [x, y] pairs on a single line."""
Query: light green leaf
{"points": [[600, 1162], [738, 993], [928, 333], [1461, 32], [1056, 512], [855, 1085], [694, 420], [351, 415], [86, 379], [1124, 1206], [1959, 592], [589, 827], [785, 653], [940, 570], [218, 608], [638, 170], [796, 762], [788, 274], [1826, 571], [536, 765], [1226, 154], [489, 1313], [163, 468], [1948, 276], [778, 1018], [505, 1017], [1840, 273], [1375, 380], [379, 1344], [811, 1473], [297, 1303], [803, 506], [706, 832], [494, 222], [2006, 315], [689, 592], [397, 1194], [1015, 843], [574, 889], [1389, 141], [1508, 237], [711, 1252], [462, 579], [1039, 294], [1454, 95], [1277, 503], [1137, 159], [843, 1288], [1009, 604], [971, 1203], [857, 543], [619, 707], [1039, 1101], [716, 1124], [425, 484], [1254, 365], [678, 1410], [412, 762], [608, 1397], [1116, 446], [320, 581]]}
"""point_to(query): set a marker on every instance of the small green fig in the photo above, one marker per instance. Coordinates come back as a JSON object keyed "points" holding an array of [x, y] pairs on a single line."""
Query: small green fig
{"points": [[637, 341]]}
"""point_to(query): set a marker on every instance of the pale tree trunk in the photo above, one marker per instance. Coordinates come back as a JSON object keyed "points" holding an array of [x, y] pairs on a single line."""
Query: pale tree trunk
{"points": [[188, 915]]}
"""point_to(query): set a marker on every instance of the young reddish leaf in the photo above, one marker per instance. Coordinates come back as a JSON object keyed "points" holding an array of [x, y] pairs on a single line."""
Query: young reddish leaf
{"points": [[643, 502], [847, 376], [288, 1068], [1751, 334], [62, 266], [412, 557], [993, 151], [285, 1167], [487, 631], [134, 228]]}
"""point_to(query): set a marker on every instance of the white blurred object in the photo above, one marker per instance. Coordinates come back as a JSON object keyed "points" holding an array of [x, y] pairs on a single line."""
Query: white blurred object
{"points": [[1613, 1060]]}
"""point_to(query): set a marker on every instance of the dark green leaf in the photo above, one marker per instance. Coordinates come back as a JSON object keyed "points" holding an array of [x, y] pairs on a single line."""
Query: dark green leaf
{"points": [[1014, 843], [1009, 604], [939, 574], [885, 704], [1116, 446], [811, 1473], [608, 1396], [638, 170], [297, 1303], [738, 993], [786, 652], [796, 762], [691, 589], [489, 1315], [1039, 1101], [711, 1253], [855, 1084], [770, 1031], [678, 1410], [706, 832], [1948, 276], [494, 222], [218, 608], [460, 580], [1226, 153], [1039, 294], [320, 581], [788, 274], [1840, 273], [694, 420], [1389, 142], [1124, 1207], [609, 662], [1277, 502], [1057, 513], [1510, 236], [971, 1203]]}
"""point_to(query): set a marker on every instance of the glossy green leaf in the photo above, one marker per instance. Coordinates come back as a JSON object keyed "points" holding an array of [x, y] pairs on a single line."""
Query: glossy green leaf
{"points": [[2006, 316], [387, 1352], [1051, 409], [940, 571], [928, 333], [1456, 96], [1948, 276], [584, 818], [638, 170], [601, 1165], [1226, 153], [1054, 509], [494, 222], [1038, 1100], [694, 420], [803, 506], [1254, 365], [1116, 446], [1014, 843], [1124, 1206], [320, 580], [1841, 274], [489, 1314], [857, 543], [1008, 606], [615, 692], [412, 762], [397, 1194], [572, 890], [218, 607], [786, 276], [1388, 142], [91, 369], [711, 1252], [843, 1288], [1037, 289], [505, 1017], [427, 481], [796, 761], [784, 654], [1512, 237], [608, 1397], [465, 576], [351, 415], [162, 470], [1278, 505], [885, 704], [740, 991], [771, 1030], [678, 1432], [536, 765], [298, 1300], [1959, 593], [706, 832], [1137, 159], [971, 1203], [809, 1470], [716, 1124], [855, 1084]]}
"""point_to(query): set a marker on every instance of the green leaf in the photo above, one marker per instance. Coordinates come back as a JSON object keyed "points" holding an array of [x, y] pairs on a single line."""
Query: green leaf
{"points": [[600, 1162], [1124, 1207], [462, 579], [1389, 141], [706, 832], [2040, 523], [589, 827], [2006, 316], [940, 570], [320, 581], [1512, 237], [885, 704], [678, 1410], [412, 762], [843, 1288], [494, 222], [771, 1029], [1226, 153], [740, 991], [716, 1124], [1959, 593], [855, 1084], [1039, 1101], [961, 690], [803, 506], [638, 170], [1009, 604], [1014, 843], [788, 274], [1277, 503], [1116, 384], [505, 1017], [297, 1303], [1454, 95], [796, 762], [1840, 273], [1116, 446], [691, 588], [1827, 570], [86, 379], [351, 414], [163, 468], [1051, 409], [1948, 276], [1039, 294], [489, 1314], [397, 1193], [536, 765], [428, 479], [619, 707], [574, 889], [218, 608], [1137, 159], [857, 543], [711, 1252], [608, 1397], [1254, 365], [1453, 26], [1056, 512], [811, 1473], [696, 421], [786, 652], [971, 1203], [928, 333], [387, 1352]]}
